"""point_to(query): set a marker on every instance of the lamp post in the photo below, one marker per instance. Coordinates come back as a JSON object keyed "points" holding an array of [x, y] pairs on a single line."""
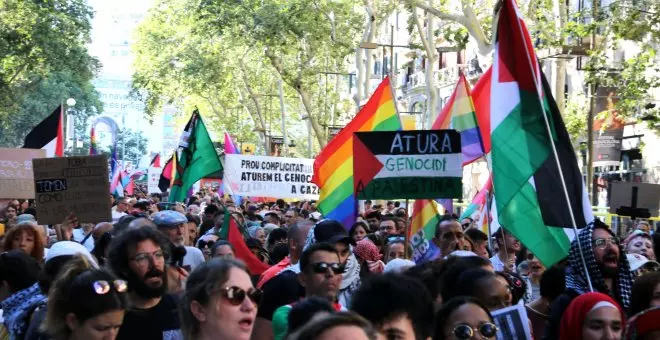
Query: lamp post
{"points": [[70, 103]]}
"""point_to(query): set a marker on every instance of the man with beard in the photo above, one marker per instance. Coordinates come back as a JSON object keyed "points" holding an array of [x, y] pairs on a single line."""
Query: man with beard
{"points": [[173, 225], [138, 256], [373, 218], [449, 236], [320, 275], [608, 269], [505, 258]]}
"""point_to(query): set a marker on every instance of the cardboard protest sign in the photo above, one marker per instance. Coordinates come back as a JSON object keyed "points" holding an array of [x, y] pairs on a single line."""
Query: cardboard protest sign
{"points": [[407, 164], [16, 179], [512, 323], [635, 195], [72, 184], [276, 177]]}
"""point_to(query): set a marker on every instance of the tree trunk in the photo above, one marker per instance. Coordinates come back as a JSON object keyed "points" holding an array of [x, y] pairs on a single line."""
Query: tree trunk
{"points": [[430, 61], [320, 136], [560, 92]]}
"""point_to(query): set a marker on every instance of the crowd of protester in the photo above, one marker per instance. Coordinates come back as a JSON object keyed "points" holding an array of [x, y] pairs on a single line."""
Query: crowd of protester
{"points": [[162, 270]]}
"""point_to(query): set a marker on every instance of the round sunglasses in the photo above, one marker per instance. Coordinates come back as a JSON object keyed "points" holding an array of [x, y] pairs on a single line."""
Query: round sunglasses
{"points": [[464, 331], [235, 295], [102, 287], [203, 244]]}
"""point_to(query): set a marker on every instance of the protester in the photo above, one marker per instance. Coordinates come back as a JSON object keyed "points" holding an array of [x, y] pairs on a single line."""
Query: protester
{"points": [[592, 316], [280, 283], [645, 293], [508, 245], [373, 218], [359, 231], [552, 284], [453, 267], [276, 237], [172, 224], [20, 294], [333, 232], [291, 217], [464, 317], [10, 213], [608, 269], [320, 275], [430, 274], [368, 257], [398, 305], [449, 236], [258, 234], [25, 236], [119, 210], [222, 249], [387, 227], [398, 266], [344, 325], [479, 242], [533, 280], [396, 249], [643, 325], [205, 244], [85, 303], [640, 265], [640, 243], [307, 310], [138, 256], [491, 289], [191, 228], [219, 302]]}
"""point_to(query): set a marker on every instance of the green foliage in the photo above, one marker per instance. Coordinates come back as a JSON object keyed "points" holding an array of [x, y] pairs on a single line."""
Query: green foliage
{"points": [[38, 38], [43, 99], [136, 145]]}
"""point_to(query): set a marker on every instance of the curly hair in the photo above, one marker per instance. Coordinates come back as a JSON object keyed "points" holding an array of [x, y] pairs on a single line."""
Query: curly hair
{"points": [[119, 248], [37, 251]]}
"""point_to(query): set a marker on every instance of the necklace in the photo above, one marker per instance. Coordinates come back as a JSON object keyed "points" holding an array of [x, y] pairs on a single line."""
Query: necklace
{"points": [[537, 312]]}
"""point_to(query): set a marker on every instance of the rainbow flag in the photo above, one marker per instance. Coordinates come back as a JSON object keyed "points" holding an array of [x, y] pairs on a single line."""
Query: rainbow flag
{"points": [[333, 167], [459, 114], [425, 218], [92, 142], [479, 200]]}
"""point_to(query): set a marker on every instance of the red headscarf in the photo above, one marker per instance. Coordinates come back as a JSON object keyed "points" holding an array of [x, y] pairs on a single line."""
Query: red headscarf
{"points": [[576, 313]]}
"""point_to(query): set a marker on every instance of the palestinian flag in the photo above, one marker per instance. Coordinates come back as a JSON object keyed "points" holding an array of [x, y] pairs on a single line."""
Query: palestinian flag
{"points": [[195, 160], [231, 232], [165, 180], [156, 161], [530, 200], [48, 135]]}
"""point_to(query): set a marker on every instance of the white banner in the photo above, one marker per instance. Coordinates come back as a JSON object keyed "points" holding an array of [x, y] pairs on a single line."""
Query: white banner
{"points": [[153, 179], [276, 177]]}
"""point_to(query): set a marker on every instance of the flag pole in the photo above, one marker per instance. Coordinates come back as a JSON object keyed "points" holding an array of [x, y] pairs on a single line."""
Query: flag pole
{"points": [[406, 244], [554, 151], [490, 232]]}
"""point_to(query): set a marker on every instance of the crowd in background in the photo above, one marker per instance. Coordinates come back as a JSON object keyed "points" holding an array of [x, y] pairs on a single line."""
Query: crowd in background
{"points": [[161, 270]]}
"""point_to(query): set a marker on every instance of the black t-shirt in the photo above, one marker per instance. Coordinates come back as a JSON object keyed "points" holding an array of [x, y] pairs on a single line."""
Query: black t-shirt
{"points": [[281, 290], [158, 322]]}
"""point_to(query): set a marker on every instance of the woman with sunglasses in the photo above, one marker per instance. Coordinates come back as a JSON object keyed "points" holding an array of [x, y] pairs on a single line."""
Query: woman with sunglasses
{"points": [[219, 302], [464, 318], [205, 244], [85, 303]]}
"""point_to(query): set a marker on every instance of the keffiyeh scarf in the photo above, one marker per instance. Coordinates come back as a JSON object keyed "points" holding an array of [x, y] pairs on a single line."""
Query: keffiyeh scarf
{"points": [[18, 307], [576, 279], [350, 280]]}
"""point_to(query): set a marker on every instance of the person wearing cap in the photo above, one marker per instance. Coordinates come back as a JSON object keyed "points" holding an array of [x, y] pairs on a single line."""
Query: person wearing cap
{"points": [[640, 265], [19, 292], [333, 232], [172, 224], [59, 255]]}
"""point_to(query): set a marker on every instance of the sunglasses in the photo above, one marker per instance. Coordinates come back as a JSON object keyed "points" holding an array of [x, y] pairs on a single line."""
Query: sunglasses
{"points": [[322, 268], [395, 239], [102, 287], [204, 244], [465, 331], [235, 296]]}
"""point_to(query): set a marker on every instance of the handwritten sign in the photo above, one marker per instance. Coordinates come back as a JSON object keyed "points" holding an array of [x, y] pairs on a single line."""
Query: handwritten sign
{"points": [[72, 184], [16, 179], [512, 323], [153, 176], [407, 164], [276, 177]]}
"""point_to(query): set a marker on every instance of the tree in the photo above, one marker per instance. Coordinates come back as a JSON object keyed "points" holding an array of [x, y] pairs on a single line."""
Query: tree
{"points": [[46, 95], [133, 143], [38, 40]]}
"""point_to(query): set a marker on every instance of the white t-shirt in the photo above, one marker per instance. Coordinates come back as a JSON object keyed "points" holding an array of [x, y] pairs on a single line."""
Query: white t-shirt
{"points": [[193, 258], [79, 235], [499, 265], [116, 215]]}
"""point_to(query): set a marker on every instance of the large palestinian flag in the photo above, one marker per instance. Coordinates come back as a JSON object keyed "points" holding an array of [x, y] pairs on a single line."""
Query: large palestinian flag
{"points": [[530, 199]]}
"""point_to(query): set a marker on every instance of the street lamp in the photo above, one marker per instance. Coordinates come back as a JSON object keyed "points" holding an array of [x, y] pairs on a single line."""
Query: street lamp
{"points": [[71, 102]]}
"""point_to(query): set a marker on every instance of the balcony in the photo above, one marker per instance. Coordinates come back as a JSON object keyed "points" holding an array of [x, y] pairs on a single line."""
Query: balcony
{"points": [[449, 75]]}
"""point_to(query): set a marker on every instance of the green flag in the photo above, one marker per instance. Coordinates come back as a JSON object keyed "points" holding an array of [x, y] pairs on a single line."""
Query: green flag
{"points": [[196, 158]]}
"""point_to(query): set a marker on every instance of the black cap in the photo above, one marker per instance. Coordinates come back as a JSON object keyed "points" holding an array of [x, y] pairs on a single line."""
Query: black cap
{"points": [[331, 231]]}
